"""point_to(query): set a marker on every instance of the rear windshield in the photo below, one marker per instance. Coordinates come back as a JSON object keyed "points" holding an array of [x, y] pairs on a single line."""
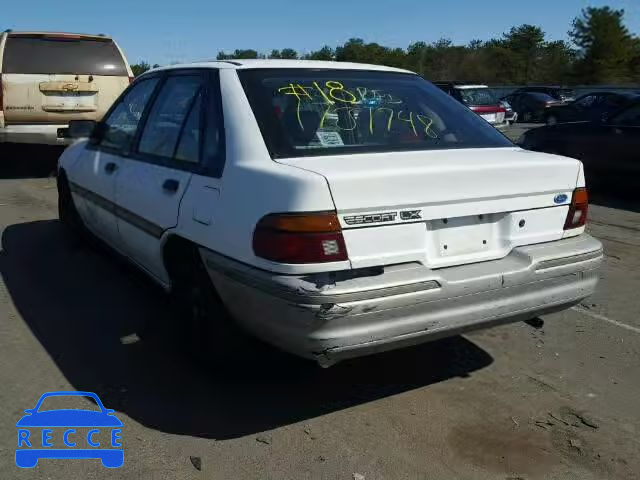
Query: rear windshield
{"points": [[305, 112], [478, 96], [62, 56]]}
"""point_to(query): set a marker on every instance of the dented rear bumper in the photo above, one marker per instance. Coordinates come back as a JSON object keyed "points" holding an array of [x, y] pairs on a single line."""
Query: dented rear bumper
{"points": [[338, 315]]}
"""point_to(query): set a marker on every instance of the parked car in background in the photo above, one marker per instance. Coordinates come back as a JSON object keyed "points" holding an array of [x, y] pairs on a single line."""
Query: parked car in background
{"points": [[532, 106], [589, 107], [478, 98], [559, 93], [48, 79], [608, 147], [330, 238], [510, 116]]}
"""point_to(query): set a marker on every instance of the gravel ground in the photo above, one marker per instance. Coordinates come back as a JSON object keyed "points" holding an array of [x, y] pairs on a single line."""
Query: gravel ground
{"points": [[551, 399]]}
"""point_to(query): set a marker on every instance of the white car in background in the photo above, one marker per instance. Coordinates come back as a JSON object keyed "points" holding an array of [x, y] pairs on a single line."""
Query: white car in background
{"points": [[478, 98], [50, 78], [333, 209]]}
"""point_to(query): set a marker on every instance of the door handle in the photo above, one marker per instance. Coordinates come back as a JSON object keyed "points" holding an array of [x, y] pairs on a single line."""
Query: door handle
{"points": [[170, 185], [110, 167]]}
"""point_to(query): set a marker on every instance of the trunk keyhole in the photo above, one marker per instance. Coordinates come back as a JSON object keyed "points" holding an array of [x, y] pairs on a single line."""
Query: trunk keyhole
{"points": [[521, 223]]}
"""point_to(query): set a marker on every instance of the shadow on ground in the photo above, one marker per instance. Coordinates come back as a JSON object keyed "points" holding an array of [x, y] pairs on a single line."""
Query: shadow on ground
{"points": [[79, 304], [28, 161]]}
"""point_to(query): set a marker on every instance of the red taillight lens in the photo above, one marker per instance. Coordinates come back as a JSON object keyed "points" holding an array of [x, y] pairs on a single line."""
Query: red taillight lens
{"points": [[300, 238], [577, 216]]}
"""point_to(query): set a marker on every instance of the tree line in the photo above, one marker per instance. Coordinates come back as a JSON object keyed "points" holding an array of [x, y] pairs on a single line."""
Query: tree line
{"points": [[601, 50]]}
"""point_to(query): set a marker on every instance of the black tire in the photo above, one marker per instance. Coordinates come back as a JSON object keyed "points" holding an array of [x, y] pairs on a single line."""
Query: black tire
{"points": [[206, 330], [551, 120], [527, 117], [67, 212]]}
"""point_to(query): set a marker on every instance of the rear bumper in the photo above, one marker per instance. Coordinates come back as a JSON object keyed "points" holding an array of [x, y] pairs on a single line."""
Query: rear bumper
{"points": [[330, 317], [36, 134]]}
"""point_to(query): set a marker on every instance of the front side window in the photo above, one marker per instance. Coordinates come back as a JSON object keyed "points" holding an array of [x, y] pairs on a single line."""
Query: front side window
{"points": [[121, 124], [175, 110], [304, 112]]}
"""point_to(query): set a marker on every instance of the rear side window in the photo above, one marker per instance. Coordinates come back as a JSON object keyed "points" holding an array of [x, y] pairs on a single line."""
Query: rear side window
{"points": [[33, 55], [303, 112], [175, 113]]}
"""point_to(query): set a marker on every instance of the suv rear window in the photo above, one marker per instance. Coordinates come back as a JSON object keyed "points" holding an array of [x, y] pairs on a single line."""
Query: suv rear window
{"points": [[305, 112], [49, 55]]}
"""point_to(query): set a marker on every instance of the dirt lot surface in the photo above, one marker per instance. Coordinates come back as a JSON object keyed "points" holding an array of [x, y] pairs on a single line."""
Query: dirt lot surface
{"points": [[557, 398]]}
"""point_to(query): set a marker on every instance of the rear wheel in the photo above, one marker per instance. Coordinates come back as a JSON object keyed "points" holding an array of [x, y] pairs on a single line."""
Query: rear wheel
{"points": [[204, 324], [551, 120]]}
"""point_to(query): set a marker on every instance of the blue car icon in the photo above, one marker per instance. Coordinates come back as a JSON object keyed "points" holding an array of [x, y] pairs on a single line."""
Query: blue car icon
{"points": [[32, 448]]}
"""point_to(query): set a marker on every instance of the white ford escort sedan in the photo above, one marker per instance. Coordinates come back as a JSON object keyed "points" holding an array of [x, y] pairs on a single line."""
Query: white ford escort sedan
{"points": [[332, 209]]}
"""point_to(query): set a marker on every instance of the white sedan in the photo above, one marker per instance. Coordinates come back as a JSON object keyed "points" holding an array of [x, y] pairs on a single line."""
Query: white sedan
{"points": [[332, 209]]}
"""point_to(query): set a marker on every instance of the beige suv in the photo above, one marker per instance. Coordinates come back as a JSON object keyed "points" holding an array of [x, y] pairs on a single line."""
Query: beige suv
{"points": [[48, 79]]}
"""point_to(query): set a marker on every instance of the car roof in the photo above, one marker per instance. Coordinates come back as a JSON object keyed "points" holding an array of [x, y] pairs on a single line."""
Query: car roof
{"points": [[246, 64], [12, 33]]}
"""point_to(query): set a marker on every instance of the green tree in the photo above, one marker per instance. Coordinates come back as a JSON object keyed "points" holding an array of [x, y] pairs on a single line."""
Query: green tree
{"points": [[606, 49], [238, 53], [525, 43], [289, 53], [325, 53], [140, 68]]}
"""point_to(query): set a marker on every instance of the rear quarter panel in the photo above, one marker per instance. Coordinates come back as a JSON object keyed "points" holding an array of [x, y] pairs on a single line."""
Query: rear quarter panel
{"points": [[252, 185]]}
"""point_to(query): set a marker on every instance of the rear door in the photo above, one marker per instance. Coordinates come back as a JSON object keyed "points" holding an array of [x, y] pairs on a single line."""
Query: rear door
{"points": [[54, 78], [170, 149]]}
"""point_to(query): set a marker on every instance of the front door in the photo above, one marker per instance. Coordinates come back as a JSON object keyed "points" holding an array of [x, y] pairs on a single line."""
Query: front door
{"points": [[94, 176]]}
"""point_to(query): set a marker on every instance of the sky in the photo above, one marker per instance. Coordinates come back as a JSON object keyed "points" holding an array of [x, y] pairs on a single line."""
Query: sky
{"points": [[162, 31]]}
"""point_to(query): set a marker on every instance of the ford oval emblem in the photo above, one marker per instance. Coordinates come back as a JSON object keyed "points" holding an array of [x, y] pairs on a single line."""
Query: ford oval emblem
{"points": [[560, 198]]}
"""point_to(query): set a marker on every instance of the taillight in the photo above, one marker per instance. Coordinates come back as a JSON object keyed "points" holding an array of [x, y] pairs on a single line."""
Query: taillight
{"points": [[300, 238], [577, 216]]}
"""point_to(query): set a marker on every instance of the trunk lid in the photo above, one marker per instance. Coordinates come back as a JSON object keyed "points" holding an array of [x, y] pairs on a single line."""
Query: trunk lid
{"points": [[446, 207]]}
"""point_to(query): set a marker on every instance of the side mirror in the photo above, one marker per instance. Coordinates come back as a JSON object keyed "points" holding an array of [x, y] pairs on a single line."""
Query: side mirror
{"points": [[78, 129]]}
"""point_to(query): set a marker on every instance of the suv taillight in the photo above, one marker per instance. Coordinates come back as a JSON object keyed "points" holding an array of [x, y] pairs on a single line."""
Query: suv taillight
{"points": [[300, 238], [577, 216]]}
